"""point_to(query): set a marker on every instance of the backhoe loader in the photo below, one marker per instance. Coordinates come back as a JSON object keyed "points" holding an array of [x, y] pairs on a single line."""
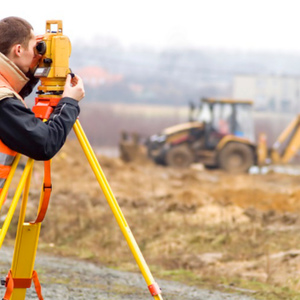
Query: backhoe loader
{"points": [[220, 134]]}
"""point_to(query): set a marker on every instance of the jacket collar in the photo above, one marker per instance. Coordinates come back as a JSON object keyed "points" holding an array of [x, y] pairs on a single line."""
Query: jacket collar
{"points": [[12, 74]]}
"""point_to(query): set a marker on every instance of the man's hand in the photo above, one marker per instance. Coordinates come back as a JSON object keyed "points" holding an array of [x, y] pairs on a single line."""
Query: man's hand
{"points": [[74, 88]]}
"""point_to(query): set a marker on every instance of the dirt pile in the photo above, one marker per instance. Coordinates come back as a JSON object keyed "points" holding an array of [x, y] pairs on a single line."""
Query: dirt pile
{"points": [[205, 227]]}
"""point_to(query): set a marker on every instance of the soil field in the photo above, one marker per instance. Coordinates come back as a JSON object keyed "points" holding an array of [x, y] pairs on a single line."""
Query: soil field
{"points": [[205, 228]]}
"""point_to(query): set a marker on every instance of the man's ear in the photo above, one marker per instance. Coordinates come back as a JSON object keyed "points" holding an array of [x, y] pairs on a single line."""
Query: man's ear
{"points": [[16, 50]]}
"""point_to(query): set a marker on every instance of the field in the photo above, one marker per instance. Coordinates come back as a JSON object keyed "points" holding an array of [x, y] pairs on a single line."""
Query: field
{"points": [[203, 227], [237, 233]]}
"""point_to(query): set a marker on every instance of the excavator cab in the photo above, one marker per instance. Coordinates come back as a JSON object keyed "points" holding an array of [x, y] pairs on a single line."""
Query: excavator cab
{"points": [[224, 117]]}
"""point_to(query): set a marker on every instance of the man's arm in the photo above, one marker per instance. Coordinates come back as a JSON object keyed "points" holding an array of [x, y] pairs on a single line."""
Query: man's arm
{"points": [[29, 86], [21, 131]]}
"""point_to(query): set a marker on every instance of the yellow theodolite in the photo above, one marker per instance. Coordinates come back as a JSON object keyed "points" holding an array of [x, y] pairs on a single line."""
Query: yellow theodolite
{"points": [[54, 65], [53, 68], [52, 71]]}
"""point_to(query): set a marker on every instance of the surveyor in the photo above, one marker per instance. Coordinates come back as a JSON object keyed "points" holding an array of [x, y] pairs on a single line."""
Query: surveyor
{"points": [[20, 130]]}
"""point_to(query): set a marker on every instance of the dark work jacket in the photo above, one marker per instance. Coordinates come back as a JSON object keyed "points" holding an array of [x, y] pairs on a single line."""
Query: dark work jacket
{"points": [[21, 131]]}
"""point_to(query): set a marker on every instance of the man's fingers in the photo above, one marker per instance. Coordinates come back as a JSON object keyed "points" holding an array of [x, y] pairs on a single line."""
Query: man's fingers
{"points": [[39, 37], [68, 79]]}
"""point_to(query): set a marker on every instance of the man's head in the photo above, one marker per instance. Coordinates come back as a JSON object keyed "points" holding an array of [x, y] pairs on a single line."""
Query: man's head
{"points": [[17, 41]]}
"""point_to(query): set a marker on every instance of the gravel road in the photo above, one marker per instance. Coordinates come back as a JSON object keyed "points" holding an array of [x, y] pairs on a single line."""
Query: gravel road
{"points": [[70, 279]]}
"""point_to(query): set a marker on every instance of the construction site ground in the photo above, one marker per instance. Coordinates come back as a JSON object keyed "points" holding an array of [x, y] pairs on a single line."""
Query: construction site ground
{"points": [[203, 228]]}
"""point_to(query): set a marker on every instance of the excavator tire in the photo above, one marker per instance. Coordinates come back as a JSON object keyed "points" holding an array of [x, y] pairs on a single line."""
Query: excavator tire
{"points": [[179, 157], [236, 158]]}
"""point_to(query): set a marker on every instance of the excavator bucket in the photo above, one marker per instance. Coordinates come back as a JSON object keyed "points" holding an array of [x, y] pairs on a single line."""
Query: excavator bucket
{"points": [[131, 148]]}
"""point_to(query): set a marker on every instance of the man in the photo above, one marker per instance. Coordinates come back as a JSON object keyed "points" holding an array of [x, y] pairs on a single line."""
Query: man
{"points": [[20, 130]]}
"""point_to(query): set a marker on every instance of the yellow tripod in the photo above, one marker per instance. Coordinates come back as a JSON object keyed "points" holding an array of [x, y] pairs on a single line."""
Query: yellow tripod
{"points": [[52, 71], [22, 273]]}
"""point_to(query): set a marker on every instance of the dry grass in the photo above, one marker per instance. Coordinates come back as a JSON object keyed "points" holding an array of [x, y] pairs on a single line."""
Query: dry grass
{"points": [[202, 227]]}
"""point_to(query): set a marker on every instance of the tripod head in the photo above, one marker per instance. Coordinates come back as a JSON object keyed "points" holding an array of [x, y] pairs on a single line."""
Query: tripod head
{"points": [[53, 68]]}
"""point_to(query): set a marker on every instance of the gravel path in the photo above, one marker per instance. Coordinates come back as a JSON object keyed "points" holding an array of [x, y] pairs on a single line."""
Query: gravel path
{"points": [[69, 279]]}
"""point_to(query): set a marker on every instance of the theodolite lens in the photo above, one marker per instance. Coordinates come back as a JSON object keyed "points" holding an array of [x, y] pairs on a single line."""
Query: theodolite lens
{"points": [[41, 47]]}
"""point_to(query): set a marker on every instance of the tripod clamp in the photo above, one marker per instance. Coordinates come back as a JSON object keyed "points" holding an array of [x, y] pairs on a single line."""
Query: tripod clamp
{"points": [[44, 105], [21, 283]]}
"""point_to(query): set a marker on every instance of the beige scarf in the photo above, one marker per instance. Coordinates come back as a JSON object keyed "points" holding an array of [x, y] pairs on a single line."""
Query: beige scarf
{"points": [[12, 79]]}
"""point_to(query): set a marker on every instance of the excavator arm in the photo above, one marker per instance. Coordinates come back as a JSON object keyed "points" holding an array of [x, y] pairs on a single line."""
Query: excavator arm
{"points": [[287, 144]]}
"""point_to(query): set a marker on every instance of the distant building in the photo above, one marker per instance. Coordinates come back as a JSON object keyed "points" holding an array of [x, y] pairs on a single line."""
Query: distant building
{"points": [[269, 92], [95, 76]]}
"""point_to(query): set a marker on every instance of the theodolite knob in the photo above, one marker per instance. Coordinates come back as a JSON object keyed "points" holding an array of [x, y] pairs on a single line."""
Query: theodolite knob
{"points": [[47, 60]]}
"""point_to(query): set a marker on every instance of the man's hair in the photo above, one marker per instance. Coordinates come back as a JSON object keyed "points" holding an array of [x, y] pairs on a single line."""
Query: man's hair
{"points": [[14, 30]]}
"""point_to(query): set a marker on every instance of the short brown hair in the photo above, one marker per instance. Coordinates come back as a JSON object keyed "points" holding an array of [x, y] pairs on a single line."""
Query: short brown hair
{"points": [[14, 30]]}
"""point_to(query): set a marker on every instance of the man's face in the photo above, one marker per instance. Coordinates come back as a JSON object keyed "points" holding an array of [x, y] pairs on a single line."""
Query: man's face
{"points": [[27, 55], [24, 55]]}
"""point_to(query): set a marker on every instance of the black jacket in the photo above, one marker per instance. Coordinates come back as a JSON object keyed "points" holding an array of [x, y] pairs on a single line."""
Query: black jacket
{"points": [[21, 131]]}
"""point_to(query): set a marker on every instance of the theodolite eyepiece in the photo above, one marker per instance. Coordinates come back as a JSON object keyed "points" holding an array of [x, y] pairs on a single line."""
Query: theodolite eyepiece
{"points": [[41, 48]]}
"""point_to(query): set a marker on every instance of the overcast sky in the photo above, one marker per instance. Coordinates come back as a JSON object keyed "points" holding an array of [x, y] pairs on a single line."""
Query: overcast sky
{"points": [[228, 24]]}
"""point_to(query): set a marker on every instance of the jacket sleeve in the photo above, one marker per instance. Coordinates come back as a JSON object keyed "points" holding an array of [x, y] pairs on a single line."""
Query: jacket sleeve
{"points": [[29, 86], [21, 131]]}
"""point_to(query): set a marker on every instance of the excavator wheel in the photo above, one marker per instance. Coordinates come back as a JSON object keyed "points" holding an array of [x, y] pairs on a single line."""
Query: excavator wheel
{"points": [[236, 158], [179, 156]]}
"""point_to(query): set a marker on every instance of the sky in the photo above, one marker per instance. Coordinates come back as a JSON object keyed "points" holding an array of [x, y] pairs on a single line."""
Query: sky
{"points": [[255, 25]]}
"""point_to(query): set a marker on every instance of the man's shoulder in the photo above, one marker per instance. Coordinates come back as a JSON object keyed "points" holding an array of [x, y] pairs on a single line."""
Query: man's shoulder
{"points": [[6, 93]]}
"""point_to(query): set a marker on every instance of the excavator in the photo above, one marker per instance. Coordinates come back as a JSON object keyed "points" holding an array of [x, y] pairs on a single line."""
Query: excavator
{"points": [[219, 134]]}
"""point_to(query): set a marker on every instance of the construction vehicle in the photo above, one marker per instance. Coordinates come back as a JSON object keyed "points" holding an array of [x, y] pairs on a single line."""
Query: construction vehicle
{"points": [[219, 134]]}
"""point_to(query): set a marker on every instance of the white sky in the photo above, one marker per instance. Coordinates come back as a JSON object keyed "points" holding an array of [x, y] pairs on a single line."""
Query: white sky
{"points": [[229, 24]]}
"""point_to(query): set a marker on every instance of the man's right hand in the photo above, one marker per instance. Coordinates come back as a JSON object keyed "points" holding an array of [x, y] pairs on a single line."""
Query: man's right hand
{"points": [[74, 88]]}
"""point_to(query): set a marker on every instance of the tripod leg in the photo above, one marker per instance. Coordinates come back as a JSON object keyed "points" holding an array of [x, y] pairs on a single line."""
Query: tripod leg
{"points": [[15, 199], [152, 285], [26, 240], [9, 179], [25, 248], [24, 257]]}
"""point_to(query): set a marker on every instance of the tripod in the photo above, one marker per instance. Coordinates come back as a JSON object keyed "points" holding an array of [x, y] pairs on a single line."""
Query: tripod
{"points": [[21, 275]]}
